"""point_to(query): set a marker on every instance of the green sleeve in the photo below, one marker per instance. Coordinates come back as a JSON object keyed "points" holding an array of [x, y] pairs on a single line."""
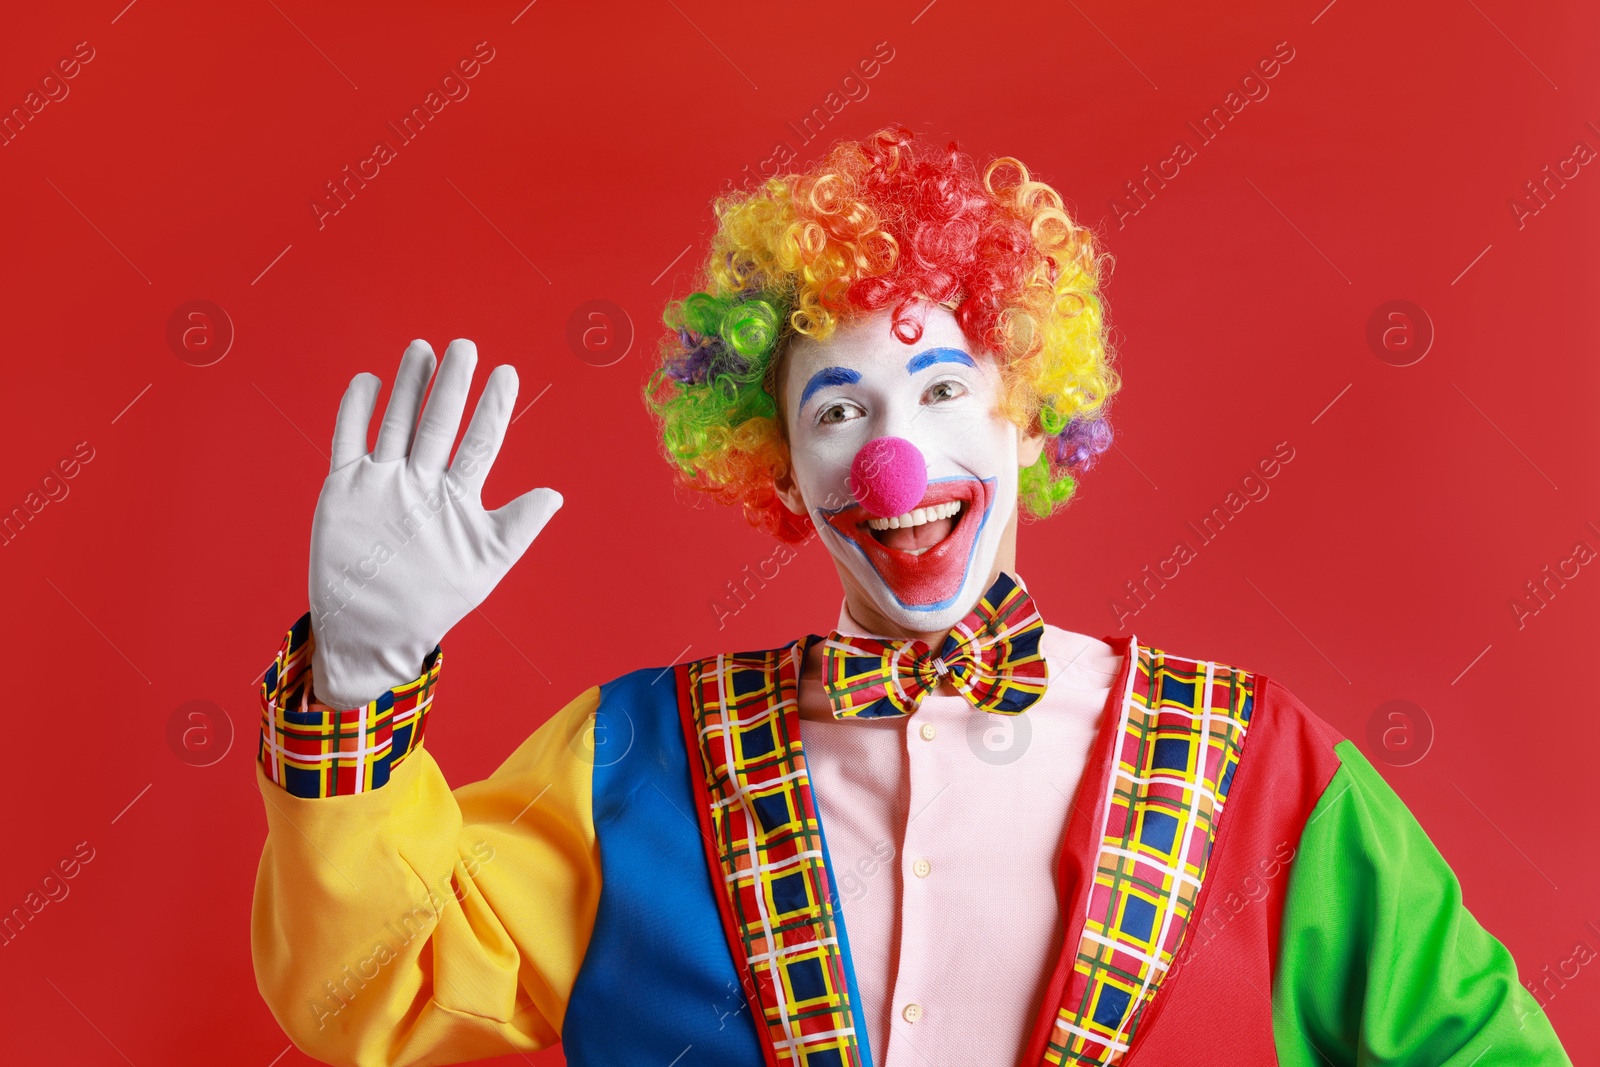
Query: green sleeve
{"points": [[1379, 961]]}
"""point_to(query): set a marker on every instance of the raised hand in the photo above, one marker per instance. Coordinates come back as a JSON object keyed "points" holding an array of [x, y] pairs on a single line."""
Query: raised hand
{"points": [[401, 546]]}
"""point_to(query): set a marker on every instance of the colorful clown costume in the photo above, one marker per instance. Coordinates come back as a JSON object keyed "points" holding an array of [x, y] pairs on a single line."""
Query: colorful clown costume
{"points": [[648, 880]]}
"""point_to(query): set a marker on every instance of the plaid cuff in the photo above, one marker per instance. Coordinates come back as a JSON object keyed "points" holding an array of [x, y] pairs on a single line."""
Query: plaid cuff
{"points": [[312, 750]]}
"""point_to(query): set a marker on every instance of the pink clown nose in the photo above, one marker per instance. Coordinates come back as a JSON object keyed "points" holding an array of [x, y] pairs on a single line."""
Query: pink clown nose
{"points": [[889, 476]]}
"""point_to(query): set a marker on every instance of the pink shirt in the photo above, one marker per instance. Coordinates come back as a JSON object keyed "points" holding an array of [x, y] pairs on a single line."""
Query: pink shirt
{"points": [[943, 833]]}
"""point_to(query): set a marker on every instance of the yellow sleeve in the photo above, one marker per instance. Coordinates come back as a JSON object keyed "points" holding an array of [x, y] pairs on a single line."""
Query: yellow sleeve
{"points": [[411, 924]]}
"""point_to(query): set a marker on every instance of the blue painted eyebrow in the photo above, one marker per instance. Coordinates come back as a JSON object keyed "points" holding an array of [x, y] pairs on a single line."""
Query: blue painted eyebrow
{"points": [[828, 376], [924, 360]]}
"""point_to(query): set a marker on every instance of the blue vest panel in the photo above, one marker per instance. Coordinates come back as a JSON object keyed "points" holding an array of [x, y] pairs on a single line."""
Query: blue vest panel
{"points": [[658, 984]]}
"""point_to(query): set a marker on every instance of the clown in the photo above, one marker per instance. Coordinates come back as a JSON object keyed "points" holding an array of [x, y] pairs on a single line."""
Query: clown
{"points": [[946, 832]]}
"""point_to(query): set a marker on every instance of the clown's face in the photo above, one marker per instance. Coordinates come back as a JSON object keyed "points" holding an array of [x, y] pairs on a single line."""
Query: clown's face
{"points": [[914, 555]]}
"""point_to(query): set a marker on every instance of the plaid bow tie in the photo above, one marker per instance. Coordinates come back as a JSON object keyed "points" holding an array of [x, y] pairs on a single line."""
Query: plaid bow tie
{"points": [[991, 656]]}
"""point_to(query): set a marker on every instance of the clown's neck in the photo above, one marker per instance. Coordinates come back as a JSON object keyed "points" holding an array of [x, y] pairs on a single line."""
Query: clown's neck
{"points": [[869, 621]]}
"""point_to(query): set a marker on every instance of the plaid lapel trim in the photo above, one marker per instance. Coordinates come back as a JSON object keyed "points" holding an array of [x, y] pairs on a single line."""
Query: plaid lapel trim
{"points": [[1179, 738], [992, 657], [765, 850]]}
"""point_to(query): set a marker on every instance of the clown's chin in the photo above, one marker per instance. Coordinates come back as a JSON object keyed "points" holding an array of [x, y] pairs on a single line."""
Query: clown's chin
{"points": [[922, 556]]}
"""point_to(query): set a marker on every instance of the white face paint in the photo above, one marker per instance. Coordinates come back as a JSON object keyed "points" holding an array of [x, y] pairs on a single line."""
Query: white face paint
{"points": [[863, 383]]}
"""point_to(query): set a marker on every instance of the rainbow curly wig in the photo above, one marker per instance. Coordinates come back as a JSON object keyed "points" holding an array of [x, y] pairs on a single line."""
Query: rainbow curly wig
{"points": [[883, 223]]}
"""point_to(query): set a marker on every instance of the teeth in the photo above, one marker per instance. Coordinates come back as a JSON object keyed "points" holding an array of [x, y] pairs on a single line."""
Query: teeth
{"points": [[917, 517]]}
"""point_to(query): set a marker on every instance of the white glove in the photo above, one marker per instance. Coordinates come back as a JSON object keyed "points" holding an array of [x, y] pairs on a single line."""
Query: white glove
{"points": [[401, 547]]}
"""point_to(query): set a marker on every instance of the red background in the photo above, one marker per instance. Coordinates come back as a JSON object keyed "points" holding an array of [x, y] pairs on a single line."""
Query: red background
{"points": [[1381, 166]]}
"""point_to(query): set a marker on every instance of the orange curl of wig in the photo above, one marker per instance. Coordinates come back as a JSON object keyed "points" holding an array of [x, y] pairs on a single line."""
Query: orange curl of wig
{"points": [[879, 223]]}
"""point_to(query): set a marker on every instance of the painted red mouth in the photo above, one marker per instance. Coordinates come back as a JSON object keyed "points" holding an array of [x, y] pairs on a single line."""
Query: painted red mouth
{"points": [[924, 565]]}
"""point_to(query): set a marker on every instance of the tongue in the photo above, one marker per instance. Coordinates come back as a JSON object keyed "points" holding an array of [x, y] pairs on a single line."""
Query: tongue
{"points": [[912, 538]]}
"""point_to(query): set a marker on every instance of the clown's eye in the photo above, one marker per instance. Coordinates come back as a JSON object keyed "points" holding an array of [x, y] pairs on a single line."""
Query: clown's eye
{"points": [[838, 411], [948, 389]]}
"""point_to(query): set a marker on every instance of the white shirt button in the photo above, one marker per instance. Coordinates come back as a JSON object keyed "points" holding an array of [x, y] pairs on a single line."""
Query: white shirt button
{"points": [[928, 731], [912, 1012], [922, 868]]}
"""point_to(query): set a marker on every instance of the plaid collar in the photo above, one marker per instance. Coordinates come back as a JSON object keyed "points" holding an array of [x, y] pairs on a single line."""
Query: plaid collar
{"points": [[991, 656]]}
